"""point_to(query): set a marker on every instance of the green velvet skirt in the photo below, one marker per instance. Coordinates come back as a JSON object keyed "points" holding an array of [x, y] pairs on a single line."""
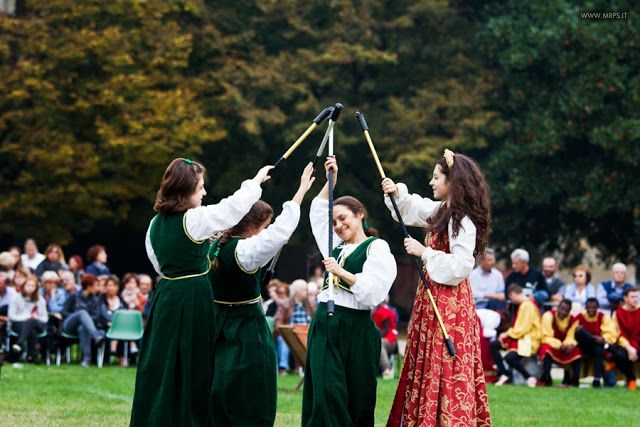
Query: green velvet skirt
{"points": [[244, 388], [175, 365], [341, 369]]}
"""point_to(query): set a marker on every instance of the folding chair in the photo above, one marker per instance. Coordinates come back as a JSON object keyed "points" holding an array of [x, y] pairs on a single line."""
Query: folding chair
{"points": [[126, 326], [296, 338]]}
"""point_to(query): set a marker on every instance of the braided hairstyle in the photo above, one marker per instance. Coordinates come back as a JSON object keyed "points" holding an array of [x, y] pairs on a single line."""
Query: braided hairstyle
{"points": [[257, 215]]}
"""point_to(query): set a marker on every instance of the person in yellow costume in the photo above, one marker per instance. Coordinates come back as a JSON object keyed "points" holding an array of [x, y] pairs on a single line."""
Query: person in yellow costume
{"points": [[521, 340]]}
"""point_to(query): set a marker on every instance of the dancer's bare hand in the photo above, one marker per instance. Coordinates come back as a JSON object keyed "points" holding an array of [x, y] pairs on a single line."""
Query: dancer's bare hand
{"points": [[389, 187], [413, 247], [263, 174]]}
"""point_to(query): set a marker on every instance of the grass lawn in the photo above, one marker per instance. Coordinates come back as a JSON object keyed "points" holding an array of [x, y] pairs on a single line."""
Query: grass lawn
{"points": [[71, 395]]}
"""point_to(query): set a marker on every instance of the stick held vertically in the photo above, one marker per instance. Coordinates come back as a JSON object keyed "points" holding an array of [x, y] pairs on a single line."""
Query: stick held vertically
{"points": [[332, 120]]}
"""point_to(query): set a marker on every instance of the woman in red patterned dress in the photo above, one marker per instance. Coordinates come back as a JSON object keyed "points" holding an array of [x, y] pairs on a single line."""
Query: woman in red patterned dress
{"points": [[435, 388]]}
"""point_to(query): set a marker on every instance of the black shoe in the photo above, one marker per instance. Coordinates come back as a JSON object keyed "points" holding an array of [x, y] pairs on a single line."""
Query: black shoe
{"points": [[596, 383]]}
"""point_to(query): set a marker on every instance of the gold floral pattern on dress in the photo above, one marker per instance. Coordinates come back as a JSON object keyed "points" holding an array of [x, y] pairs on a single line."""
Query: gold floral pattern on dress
{"points": [[435, 388]]}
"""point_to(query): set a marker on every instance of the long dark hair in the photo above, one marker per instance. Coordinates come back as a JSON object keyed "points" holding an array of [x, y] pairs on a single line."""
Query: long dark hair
{"points": [[356, 207], [469, 196], [257, 215], [179, 182]]}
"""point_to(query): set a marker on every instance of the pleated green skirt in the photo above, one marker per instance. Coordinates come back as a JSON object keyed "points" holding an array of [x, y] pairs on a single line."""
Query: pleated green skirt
{"points": [[341, 369], [176, 356], [244, 386]]}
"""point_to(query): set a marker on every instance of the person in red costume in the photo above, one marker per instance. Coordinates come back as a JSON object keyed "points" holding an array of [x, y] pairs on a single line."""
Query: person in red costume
{"points": [[595, 333], [559, 343], [385, 319], [627, 323], [436, 388]]}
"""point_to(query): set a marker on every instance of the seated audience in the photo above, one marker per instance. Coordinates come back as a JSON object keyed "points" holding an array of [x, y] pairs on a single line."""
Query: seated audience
{"points": [[132, 298], [81, 313], [69, 284], [19, 278], [101, 284], [146, 286], [530, 279], [76, 266], [522, 339], [554, 283], [559, 343], [54, 295], [581, 289], [15, 251], [31, 258], [111, 302], [97, 259], [385, 320], [595, 332], [7, 263], [295, 310], [271, 305], [28, 316], [626, 320], [53, 260], [131, 290], [487, 283], [6, 294], [609, 293], [312, 292]]}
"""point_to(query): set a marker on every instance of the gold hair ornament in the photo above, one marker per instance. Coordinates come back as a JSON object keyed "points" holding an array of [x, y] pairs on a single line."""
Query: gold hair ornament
{"points": [[448, 156]]}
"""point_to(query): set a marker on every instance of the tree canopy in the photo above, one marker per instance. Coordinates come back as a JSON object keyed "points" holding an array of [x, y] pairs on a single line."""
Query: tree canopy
{"points": [[96, 98]]}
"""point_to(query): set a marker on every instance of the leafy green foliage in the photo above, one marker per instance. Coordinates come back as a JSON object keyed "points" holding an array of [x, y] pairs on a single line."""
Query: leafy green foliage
{"points": [[92, 108], [567, 171]]}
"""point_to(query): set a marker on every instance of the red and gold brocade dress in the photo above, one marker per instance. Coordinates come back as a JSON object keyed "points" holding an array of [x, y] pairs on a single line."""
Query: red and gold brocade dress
{"points": [[435, 388]]}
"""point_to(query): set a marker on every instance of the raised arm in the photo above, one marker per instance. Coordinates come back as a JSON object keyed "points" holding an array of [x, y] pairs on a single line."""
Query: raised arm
{"points": [[204, 221], [254, 252], [415, 209]]}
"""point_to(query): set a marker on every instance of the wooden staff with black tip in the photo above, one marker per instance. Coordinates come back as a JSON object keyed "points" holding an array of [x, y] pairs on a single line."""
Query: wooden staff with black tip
{"points": [[332, 120], [316, 122], [418, 263]]}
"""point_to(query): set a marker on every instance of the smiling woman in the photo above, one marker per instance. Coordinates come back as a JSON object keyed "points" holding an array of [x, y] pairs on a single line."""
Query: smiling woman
{"points": [[343, 350]]}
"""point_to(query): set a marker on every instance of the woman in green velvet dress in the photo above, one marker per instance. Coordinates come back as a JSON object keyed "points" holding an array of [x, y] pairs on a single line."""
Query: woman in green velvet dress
{"points": [[243, 391], [175, 362]]}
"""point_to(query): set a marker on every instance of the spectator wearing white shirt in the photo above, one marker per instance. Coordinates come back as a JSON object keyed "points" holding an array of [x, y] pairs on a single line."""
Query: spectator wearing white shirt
{"points": [[31, 258], [487, 282]]}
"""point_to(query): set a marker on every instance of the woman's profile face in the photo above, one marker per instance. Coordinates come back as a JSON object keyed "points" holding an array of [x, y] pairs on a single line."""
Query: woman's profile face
{"points": [[439, 184], [196, 197]]}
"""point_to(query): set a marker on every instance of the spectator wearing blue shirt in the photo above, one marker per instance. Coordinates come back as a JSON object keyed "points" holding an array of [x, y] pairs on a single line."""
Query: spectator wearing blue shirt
{"points": [[97, 259], [54, 295], [487, 283], [609, 293]]}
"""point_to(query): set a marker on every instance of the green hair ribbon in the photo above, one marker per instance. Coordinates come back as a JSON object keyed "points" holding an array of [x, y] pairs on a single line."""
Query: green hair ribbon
{"points": [[187, 161], [365, 224]]}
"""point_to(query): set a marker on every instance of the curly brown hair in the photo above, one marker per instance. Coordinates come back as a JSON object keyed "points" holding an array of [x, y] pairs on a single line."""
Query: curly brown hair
{"points": [[179, 182], [469, 197], [257, 215]]}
